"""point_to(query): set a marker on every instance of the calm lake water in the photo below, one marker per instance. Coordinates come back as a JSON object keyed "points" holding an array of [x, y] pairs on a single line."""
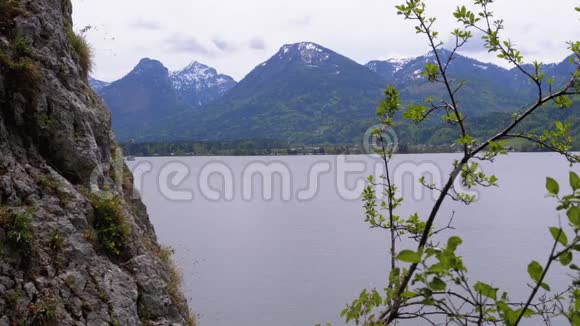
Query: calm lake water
{"points": [[297, 255]]}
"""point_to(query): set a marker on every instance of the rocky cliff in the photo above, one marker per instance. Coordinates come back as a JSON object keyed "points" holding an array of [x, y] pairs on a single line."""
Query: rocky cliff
{"points": [[76, 244]]}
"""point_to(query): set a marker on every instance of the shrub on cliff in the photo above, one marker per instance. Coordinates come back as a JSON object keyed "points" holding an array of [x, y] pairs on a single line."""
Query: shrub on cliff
{"points": [[82, 50], [111, 223], [9, 9], [18, 229]]}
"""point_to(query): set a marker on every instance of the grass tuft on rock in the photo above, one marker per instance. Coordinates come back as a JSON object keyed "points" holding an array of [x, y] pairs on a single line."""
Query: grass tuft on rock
{"points": [[82, 50], [9, 9], [24, 72], [111, 226], [56, 241], [18, 229], [174, 287]]}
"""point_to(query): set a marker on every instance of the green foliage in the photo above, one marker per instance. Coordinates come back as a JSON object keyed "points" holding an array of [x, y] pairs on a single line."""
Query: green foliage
{"points": [[24, 72], [82, 50], [409, 256], [486, 290], [431, 72], [472, 176], [436, 280], [566, 258], [416, 113], [46, 122], [559, 235], [16, 60], [22, 46], [56, 241], [18, 228], [465, 16], [9, 9], [552, 186], [361, 310], [563, 102], [174, 286], [574, 181], [389, 106], [55, 187], [50, 183], [535, 270], [111, 225], [44, 312]]}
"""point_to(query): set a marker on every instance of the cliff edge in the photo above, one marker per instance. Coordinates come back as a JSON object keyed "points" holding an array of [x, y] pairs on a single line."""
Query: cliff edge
{"points": [[76, 244]]}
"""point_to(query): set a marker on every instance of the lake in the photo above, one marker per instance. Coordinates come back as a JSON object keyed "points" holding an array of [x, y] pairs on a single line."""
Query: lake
{"points": [[281, 240]]}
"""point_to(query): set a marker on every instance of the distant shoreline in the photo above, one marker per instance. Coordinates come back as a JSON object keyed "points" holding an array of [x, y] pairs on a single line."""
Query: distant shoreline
{"points": [[359, 154]]}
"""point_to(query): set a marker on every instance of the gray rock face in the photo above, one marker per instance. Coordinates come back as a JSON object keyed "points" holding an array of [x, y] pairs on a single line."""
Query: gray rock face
{"points": [[55, 144]]}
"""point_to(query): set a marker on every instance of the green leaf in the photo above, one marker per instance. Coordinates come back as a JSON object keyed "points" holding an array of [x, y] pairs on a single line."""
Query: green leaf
{"points": [[574, 181], [376, 298], [486, 290], [453, 243], [574, 216], [559, 235], [552, 186], [415, 113], [535, 270], [344, 312], [508, 314], [409, 256], [437, 268], [545, 286], [437, 284], [431, 72], [563, 101], [566, 258], [528, 313], [409, 294]]}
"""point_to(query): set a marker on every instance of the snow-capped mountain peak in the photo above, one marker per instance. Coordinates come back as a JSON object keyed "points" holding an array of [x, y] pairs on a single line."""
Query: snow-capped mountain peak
{"points": [[195, 74], [198, 84], [398, 63], [307, 52]]}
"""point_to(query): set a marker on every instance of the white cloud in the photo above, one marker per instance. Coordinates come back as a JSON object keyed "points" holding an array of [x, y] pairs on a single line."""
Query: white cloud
{"points": [[255, 29]]}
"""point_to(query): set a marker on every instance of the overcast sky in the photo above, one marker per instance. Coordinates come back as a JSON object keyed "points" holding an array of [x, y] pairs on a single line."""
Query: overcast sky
{"points": [[234, 36]]}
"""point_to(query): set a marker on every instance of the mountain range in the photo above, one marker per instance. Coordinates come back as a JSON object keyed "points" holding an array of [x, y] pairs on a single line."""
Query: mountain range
{"points": [[304, 93]]}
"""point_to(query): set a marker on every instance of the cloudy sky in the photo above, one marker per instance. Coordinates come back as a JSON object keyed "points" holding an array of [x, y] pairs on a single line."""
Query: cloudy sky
{"points": [[234, 36]]}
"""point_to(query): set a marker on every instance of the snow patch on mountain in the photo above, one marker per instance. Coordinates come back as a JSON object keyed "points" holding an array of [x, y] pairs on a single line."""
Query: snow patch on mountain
{"points": [[198, 76], [417, 74], [198, 84], [97, 84], [398, 63], [307, 52]]}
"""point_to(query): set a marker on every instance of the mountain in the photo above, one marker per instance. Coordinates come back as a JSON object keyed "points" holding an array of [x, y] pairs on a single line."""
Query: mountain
{"points": [[561, 72], [488, 87], [141, 98], [488, 97], [305, 92], [388, 68], [97, 84], [149, 94], [198, 84]]}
